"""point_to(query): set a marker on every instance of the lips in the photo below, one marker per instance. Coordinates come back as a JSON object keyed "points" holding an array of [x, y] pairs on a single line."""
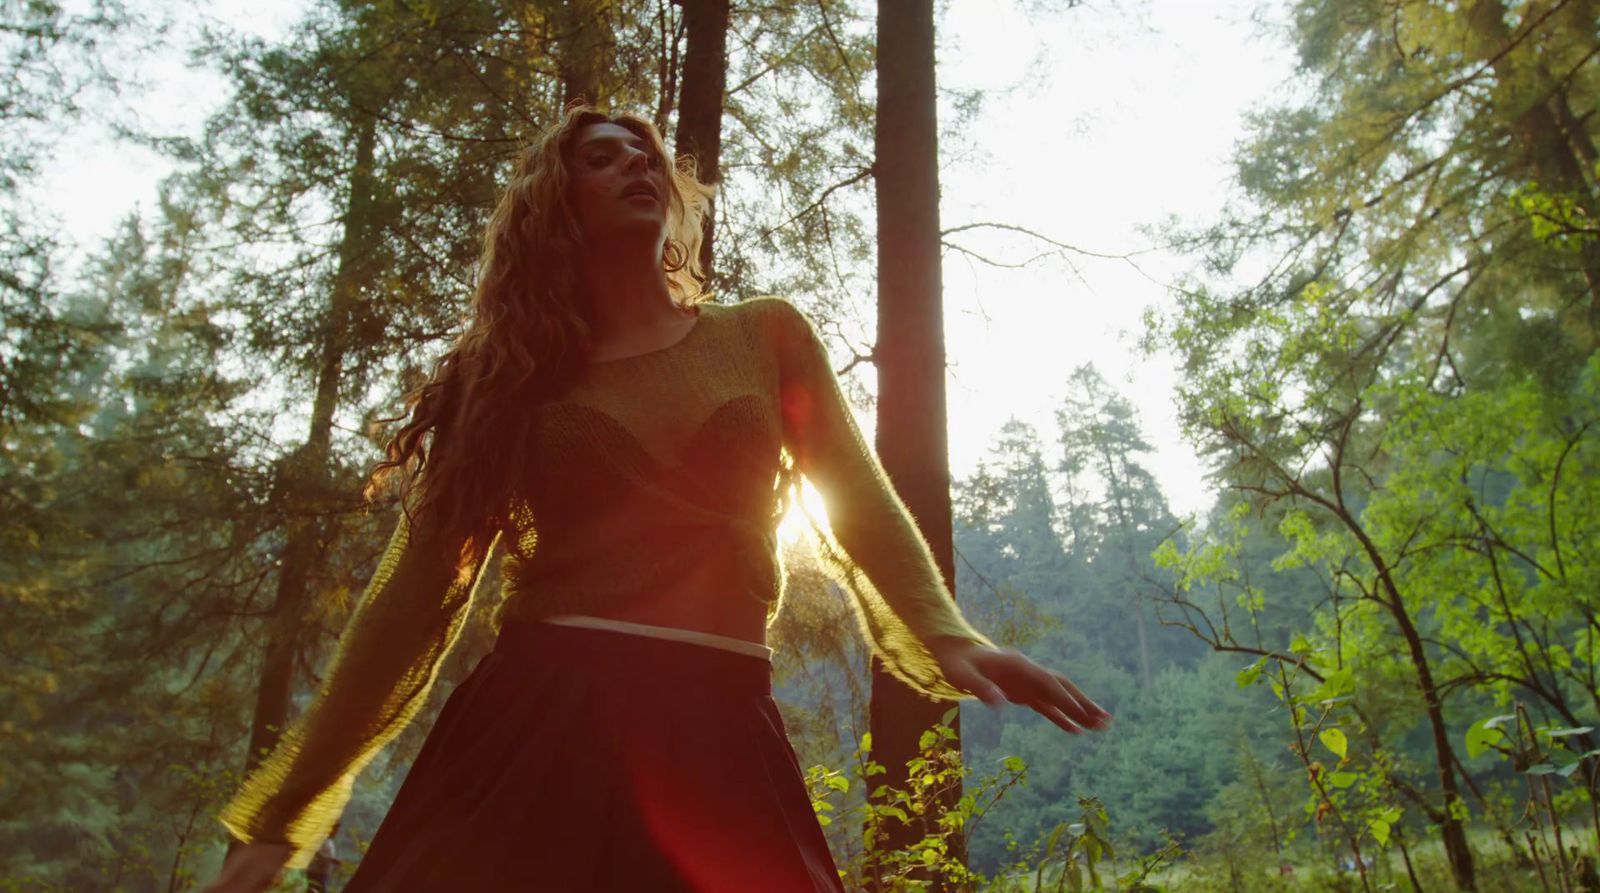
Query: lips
{"points": [[642, 188]]}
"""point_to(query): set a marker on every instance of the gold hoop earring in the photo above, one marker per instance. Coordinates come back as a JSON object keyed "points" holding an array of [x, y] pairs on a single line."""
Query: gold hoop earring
{"points": [[674, 256]]}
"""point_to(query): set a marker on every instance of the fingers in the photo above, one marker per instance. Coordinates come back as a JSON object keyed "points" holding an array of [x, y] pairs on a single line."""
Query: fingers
{"points": [[1055, 715], [1058, 700], [1085, 711], [1080, 696], [1060, 707], [1013, 677]]}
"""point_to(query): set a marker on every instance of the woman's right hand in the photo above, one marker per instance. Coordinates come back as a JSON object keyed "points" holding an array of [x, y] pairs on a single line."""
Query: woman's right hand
{"points": [[251, 868]]}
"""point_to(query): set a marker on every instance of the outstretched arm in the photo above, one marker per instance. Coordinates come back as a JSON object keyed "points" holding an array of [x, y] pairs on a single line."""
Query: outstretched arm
{"points": [[907, 593], [388, 657]]}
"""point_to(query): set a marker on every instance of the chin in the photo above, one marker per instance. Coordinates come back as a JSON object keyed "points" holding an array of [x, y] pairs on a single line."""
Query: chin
{"points": [[637, 234], [649, 227]]}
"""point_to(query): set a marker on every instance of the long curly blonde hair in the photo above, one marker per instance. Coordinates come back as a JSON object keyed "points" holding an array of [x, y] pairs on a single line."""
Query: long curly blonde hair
{"points": [[465, 446]]}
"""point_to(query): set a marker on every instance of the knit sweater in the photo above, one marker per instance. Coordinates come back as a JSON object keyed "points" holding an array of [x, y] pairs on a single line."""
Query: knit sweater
{"points": [[641, 471]]}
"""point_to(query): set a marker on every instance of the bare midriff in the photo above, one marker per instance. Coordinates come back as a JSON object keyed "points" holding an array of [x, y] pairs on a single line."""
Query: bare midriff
{"points": [[703, 600]]}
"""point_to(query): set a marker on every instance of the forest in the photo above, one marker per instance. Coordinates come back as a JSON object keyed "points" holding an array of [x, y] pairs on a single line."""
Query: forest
{"points": [[1369, 663]]}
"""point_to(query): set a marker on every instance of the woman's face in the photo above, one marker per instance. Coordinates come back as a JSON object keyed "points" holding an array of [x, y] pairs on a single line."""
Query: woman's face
{"points": [[618, 185]]}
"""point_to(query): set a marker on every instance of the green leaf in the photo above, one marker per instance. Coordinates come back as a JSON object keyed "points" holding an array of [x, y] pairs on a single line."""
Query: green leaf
{"points": [[1014, 764], [1565, 733], [1379, 829], [1074, 876], [1334, 740], [1054, 839], [1562, 763], [1250, 674], [1482, 736], [839, 783], [1342, 779], [1339, 682]]}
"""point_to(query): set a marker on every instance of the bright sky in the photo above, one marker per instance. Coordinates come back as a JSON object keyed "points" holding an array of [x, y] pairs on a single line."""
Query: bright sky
{"points": [[1134, 119], [1099, 119]]}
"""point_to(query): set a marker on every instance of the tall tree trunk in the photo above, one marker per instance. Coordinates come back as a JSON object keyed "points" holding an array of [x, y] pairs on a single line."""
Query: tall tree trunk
{"points": [[303, 481], [910, 355], [582, 41], [1130, 564], [1146, 679], [705, 80]]}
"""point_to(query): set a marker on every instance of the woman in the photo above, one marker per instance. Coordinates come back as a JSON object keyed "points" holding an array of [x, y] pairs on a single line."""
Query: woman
{"points": [[634, 448]]}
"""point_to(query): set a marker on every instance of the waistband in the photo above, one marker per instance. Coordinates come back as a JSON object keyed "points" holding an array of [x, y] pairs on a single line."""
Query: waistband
{"points": [[628, 665], [694, 637]]}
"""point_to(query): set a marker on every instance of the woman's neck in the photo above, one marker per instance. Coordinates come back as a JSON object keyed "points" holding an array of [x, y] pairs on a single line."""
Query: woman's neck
{"points": [[628, 295]]}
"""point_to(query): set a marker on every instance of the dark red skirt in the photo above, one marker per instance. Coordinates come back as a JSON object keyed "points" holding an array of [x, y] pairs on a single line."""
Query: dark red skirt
{"points": [[579, 759]]}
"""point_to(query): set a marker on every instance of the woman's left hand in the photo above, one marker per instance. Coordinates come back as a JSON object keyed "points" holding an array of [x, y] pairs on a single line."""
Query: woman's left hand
{"points": [[997, 675]]}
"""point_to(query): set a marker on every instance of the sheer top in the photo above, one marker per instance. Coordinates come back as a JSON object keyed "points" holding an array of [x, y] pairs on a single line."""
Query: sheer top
{"points": [[640, 472]]}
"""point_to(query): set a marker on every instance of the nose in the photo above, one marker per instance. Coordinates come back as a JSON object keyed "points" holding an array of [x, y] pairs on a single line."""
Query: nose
{"points": [[636, 160]]}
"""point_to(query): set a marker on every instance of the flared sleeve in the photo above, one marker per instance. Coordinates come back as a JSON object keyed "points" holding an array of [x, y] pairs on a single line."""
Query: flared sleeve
{"points": [[870, 545], [388, 657]]}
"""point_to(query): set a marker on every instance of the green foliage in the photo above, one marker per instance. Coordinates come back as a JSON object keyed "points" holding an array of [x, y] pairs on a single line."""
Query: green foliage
{"points": [[1073, 537], [1560, 221], [1072, 855], [794, 215], [937, 767], [1407, 401]]}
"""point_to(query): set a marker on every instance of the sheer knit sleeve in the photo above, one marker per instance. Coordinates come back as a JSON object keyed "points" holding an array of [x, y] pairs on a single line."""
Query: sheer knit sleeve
{"points": [[388, 656], [873, 547]]}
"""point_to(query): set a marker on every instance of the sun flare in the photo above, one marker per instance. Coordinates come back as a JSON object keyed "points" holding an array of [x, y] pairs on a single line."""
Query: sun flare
{"points": [[795, 521]]}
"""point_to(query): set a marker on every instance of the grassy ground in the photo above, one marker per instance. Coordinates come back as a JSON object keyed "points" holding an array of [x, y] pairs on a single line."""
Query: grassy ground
{"points": [[1316, 872]]}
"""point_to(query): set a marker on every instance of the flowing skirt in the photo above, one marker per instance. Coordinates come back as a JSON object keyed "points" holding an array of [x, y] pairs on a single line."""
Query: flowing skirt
{"points": [[579, 759]]}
